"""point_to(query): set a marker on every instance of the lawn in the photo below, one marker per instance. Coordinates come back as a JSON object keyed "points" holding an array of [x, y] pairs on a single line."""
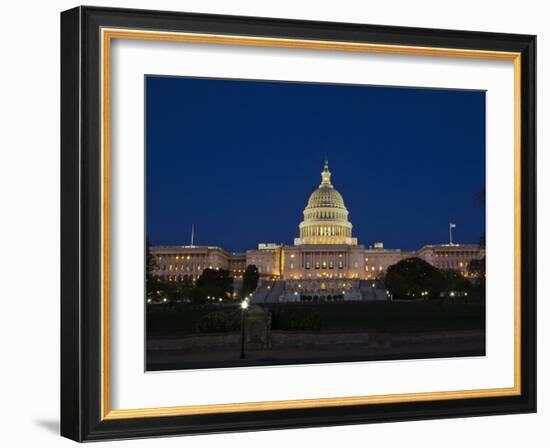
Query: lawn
{"points": [[392, 317], [399, 317]]}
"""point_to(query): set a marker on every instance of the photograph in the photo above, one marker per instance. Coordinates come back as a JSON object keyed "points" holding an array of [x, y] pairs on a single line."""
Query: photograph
{"points": [[302, 222]]}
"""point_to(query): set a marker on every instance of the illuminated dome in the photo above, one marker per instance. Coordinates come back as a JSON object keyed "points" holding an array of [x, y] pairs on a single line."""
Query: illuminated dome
{"points": [[326, 196], [325, 216]]}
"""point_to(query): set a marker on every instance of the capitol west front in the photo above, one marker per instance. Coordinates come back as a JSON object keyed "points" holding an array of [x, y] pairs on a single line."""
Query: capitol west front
{"points": [[326, 263]]}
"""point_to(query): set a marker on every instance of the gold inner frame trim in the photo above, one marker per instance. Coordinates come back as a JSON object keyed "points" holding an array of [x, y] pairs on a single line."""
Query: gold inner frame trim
{"points": [[107, 35]]}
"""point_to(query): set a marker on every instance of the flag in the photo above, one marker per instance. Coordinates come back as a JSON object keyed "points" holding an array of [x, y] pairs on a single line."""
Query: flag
{"points": [[452, 226]]}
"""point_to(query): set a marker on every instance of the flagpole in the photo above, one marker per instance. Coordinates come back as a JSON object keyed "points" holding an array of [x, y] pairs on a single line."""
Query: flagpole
{"points": [[192, 234], [452, 225]]}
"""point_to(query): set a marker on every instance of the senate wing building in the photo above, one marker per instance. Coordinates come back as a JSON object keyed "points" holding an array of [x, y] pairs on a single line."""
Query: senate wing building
{"points": [[326, 262]]}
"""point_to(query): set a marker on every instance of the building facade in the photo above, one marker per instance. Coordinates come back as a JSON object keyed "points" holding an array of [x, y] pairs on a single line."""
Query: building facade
{"points": [[181, 263], [325, 263]]}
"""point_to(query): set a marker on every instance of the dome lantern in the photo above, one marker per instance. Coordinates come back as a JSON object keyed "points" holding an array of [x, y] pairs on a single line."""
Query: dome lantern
{"points": [[325, 175]]}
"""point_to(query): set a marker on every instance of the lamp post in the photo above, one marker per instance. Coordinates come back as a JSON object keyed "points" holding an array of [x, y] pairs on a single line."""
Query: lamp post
{"points": [[244, 307]]}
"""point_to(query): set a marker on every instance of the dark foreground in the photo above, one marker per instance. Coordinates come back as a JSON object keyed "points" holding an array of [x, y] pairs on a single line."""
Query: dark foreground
{"points": [[347, 332]]}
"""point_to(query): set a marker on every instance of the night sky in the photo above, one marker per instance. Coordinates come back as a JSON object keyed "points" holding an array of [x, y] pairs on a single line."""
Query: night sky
{"points": [[239, 159]]}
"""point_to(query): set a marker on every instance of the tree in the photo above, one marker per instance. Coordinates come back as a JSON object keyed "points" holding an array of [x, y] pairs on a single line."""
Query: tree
{"points": [[414, 278], [216, 282], [455, 282], [480, 201], [177, 289], [476, 269], [250, 279], [482, 240], [152, 282]]}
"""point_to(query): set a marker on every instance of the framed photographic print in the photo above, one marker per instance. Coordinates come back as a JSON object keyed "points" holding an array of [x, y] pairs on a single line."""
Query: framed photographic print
{"points": [[275, 224]]}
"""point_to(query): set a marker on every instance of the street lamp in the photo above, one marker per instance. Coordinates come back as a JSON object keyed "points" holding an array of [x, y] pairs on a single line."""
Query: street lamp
{"points": [[244, 307]]}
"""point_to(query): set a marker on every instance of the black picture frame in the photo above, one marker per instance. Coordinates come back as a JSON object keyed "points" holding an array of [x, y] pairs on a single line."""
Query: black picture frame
{"points": [[81, 224]]}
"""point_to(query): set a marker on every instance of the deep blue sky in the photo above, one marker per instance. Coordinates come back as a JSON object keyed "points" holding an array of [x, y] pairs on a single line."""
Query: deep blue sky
{"points": [[239, 159]]}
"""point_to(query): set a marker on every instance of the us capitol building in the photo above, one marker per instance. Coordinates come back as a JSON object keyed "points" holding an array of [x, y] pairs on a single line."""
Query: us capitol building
{"points": [[325, 263]]}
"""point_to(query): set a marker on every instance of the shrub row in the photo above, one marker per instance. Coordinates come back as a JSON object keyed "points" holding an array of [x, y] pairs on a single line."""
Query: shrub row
{"points": [[299, 318], [219, 322]]}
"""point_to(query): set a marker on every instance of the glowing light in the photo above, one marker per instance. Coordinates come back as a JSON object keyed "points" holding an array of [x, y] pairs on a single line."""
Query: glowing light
{"points": [[244, 304]]}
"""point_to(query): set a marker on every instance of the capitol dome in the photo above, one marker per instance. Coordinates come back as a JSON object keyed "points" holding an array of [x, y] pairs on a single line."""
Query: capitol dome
{"points": [[325, 216], [326, 196]]}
